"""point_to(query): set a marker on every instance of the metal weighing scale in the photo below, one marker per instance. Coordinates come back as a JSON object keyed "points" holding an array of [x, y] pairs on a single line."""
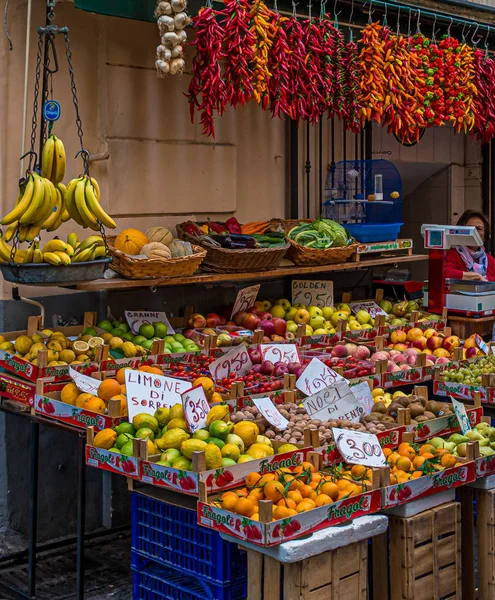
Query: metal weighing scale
{"points": [[467, 298]]}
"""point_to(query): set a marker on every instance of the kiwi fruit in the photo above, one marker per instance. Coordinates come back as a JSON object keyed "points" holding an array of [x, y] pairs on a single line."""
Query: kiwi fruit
{"points": [[368, 419], [429, 415], [388, 419], [416, 409], [432, 406], [423, 401], [379, 407], [393, 407], [421, 419]]}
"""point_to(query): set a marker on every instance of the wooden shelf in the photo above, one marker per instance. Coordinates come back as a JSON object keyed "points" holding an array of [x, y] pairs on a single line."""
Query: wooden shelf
{"points": [[291, 271]]}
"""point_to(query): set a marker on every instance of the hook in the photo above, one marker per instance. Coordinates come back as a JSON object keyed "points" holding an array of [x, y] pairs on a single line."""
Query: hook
{"points": [[336, 14], [309, 10], [463, 28], [294, 7], [385, 14], [418, 23], [473, 41], [409, 24], [85, 157], [350, 20], [31, 154], [433, 34], [398, 22], [370, 12], [486, 41], [448, 29]]}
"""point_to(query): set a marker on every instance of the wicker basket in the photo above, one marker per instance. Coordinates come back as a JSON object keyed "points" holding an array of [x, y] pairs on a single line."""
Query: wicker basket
{"points": [[300, 255], [139, 268], [223, 260]]}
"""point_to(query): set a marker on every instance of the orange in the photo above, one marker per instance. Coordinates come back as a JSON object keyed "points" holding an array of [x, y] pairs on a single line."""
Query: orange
{"points": [[392, 459], [292, 512], [448, 460], [441, 451], [393, 478], [274, 491], [285, 479], [252, 479], [303, 506], [310, 501], [123, 389], [242, 493], [295, 495], [427, 448], [387, 452], [358, 471], [307, 466], [407, 450], [280, 512], [287, 502], [343, 494], [342, 484], [306, 491], [316, 477], [229, 500], [427, 455], [244, 507], [416, 474], [109, 388], [419, 461], [255, 517], [404, 464], [354, 489], [323, 499], [314, 484], [120, 376], [266, 478], [330, 489]]}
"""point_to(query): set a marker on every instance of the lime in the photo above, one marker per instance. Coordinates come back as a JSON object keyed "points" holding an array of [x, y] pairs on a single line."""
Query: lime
{"points": [[201, 434], [160, 330], [145, 432], [170, 455], [106, 325], [217, 441], [182, 463], [138, 340], [128, 336], [90, 331], [147, 344], [117, 323], [219, 429], [147, 330], [127, 448], [125, 327], [126, 428], [123, 439], [117, 332], [179, 337], [114, 449]]}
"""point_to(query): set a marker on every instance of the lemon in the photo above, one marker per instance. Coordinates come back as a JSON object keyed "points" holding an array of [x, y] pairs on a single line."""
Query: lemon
{"points": [[176, 412], [218, 413], [377, 392], [129, 349], [173, 439], [54, 345], [177, 423], [69, 393], [23, 344], [213, 457], [231, 451], [67, 356], [116, 342], [190, 446], [7, 346], [80, 347], [96, 341]]}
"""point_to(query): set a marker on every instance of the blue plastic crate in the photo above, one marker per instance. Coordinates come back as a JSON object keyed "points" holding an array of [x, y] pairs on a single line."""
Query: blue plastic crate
{"points": [[155, 582], [367, 233], [170, 535]]}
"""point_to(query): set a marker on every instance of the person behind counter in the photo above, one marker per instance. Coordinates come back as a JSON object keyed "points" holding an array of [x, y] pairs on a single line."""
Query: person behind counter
{"points": [[466, 262]]}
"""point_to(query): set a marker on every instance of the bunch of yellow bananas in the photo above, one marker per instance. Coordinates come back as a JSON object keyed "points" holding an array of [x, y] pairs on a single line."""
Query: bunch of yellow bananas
{"points": [[82, 202], [53, 160], [6, 252]]}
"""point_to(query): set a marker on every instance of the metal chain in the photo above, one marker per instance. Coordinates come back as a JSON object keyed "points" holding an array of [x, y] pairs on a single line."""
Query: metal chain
{"points": [[34, 122], [83, 151]]}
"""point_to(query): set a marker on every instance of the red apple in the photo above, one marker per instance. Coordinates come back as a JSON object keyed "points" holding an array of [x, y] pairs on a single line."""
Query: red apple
{"points": [[400, 347], [196, 321], [280, 370], [191, 334], [230, 326], [340, 351], [213, 320], [266, 316], [414, 333], [279, 339], [471, 352], [223, 320], [470, 342], [451, 342], [259, 305], [430, 333], [251, 321], [280, 325], [434, 342], [442, 353], [268, 327], [267, 367], [239, 318], [254, 310], [255, 356], [420, 342]]}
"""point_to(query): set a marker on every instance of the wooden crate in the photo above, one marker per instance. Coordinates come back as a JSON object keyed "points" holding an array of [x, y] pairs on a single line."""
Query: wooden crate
{"points": [[425, 555], [485, 516], [340, 574]]}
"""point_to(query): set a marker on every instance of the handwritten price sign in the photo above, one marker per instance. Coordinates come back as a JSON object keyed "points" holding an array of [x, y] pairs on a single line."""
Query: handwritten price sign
{"points": [[363, 395], [271, 413], [312, 293], [359, 448], [280, 353], [317, 376], [235, 361], [371, 307], [335, 402], [86, 384], [136, 318], [196, 407], [460, 413], [245, 299]]}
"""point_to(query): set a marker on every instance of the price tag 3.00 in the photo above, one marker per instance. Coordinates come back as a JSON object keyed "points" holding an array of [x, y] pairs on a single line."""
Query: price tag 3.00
{"points": [[359, 448]]}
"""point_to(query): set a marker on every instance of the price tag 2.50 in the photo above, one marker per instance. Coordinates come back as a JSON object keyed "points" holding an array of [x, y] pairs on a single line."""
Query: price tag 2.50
{"points": [[235, 361], [196, 407], [359, 448], [317, 376], [271, 413], [245, 299], [280, 353], [460, 413]]}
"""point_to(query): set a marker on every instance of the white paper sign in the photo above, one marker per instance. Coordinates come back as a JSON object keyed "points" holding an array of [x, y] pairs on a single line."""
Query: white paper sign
{"points": [[146, 392], [280, 353], [271, 413], [245, 299], [86, 384], [460, 413], [371, 307], [196, 407], [482, 345], [359, 448], [363, 395], [235, 361], [335, 402], [312, 292], [136, 318], [317, 376]]}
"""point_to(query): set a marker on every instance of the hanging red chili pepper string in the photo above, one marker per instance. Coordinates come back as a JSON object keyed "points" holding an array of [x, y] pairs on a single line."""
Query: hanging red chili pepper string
{"points": [[328, 75], [296, 87], [238, 49], [373, 87], [484, 101], [351, 108], [317, 86], [207, 79], [278, 66]]}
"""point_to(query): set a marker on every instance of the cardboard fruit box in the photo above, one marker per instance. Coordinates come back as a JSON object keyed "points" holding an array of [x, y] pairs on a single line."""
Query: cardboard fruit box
{"points": [[27, 370], [49, 404], [111, 461], [267, 532], [21, 390]]}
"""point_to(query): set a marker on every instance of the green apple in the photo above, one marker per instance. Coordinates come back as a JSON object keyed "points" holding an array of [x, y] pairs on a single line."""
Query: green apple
{"points": [[363, 317], [278, 311], [320, 331], [291, 326], [354, 326], [344, 308], [337, 316], [169, 339], [327, 312], [283, 302], [314, 311], [299, 306], [309, 330], [317, 321], [290, 314]]}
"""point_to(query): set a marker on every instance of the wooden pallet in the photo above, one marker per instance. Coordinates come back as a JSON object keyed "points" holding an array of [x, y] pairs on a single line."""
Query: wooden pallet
{"points": [[425, 555], [371, 250], [485, 509], [336, 575]]}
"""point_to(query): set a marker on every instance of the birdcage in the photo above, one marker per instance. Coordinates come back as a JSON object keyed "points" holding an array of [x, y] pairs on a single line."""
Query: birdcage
{"points": [[366, 197]]}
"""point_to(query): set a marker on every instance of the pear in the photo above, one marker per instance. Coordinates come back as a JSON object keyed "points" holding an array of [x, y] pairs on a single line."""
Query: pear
{"points": [[450, 446], [481, 426], [437, 442], [461, 450], [486, 451], [474, 435], [484, 443], [457, 439]]}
